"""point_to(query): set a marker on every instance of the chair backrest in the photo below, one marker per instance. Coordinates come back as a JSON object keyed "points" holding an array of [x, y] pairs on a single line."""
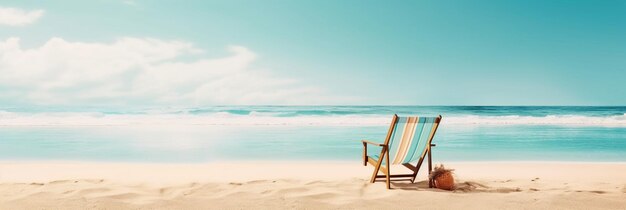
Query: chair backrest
{"points": [[409, 138]]}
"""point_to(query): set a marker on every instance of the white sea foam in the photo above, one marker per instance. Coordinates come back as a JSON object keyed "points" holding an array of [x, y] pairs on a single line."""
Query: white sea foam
{"points": [[224, 118]]}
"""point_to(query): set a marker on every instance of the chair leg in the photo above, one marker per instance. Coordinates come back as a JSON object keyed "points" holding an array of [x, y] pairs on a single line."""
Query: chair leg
{"points": [[388, 172], [364, 154], [377, 167], [417, 169], [430, 169]]}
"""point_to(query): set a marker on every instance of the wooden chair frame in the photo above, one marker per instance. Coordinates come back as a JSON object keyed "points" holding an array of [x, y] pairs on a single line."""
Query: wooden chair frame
{"points": [[384, 155]]}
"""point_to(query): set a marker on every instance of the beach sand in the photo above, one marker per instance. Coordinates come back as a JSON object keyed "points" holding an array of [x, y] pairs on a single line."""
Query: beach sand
{"points": [[306, 185]]}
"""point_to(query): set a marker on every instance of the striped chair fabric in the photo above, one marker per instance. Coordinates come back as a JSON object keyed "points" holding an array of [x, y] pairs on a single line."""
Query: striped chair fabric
{"points": [[409, 139]]}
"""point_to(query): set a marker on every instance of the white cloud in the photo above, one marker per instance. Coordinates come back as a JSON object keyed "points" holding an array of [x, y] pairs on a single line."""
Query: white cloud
{"points": [[18, 17], [140, 71]]}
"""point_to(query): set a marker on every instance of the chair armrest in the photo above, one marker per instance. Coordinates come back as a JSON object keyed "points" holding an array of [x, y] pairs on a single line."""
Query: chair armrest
{"points": [[372, 143], [365, 142]]}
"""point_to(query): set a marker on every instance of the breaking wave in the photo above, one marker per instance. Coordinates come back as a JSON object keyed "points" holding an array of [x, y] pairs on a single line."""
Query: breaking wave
{"points": [[258, 118]]}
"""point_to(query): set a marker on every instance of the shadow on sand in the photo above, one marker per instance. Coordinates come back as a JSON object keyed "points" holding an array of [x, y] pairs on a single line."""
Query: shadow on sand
{"points": [[461, 187]]}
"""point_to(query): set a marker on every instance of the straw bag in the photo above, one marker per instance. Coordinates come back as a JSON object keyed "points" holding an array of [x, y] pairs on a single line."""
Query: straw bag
{"points": [[445, 181], [442, 178]]}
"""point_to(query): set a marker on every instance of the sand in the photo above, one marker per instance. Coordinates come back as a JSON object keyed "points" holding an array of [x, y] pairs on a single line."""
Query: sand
{"points": [[306, 185]]}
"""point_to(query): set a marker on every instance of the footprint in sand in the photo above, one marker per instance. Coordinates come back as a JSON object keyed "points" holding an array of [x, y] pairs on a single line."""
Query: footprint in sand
{"points": [[60, 182], [592, 191], [257, 182]]}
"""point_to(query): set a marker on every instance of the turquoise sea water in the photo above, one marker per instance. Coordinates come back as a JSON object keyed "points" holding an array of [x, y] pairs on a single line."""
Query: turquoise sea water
{"points": [[467, 133]]}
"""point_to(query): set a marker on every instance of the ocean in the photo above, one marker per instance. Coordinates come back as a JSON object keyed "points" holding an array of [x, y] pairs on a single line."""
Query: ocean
{"points": [[231, 133]]}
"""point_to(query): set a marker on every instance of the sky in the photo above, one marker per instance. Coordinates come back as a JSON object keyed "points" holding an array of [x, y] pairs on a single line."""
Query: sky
{"points": [[136, 53]]}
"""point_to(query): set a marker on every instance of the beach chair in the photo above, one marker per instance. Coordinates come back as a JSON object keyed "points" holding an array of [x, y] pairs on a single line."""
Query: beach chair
{"points": [[408, 141]]}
